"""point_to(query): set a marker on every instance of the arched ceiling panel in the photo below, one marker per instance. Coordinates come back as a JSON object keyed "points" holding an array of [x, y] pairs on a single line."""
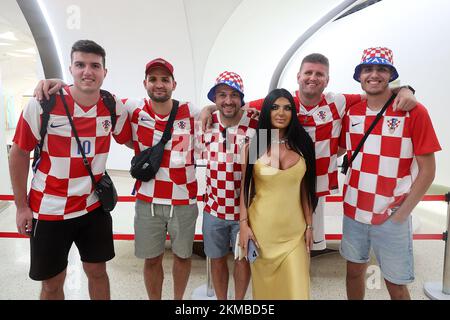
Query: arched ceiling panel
{"points": [[256, 37]]}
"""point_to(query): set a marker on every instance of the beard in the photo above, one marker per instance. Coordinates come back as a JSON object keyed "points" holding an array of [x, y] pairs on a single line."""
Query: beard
{"points": [[231, 115], [159, 99]]}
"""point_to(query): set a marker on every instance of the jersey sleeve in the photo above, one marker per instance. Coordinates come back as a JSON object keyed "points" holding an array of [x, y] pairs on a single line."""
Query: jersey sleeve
{"points": [[199, 143], [423, 136], [27, 134], [351, 100], [256, 104], [122, 131], [198, 138], [193, 110], [342, 137]]}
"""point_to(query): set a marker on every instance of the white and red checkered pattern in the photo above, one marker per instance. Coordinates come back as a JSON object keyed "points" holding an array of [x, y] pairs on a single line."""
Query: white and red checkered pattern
{"points": [[377, 56], [378, 52], [231, 79], [323, 123], [61, 187], [382, 173], [222, 153], [228, 76], [175, 183]]}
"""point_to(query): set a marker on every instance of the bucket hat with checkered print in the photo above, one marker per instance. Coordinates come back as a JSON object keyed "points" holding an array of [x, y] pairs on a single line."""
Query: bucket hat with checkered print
{"points": [[231, 79], [377, 56]]}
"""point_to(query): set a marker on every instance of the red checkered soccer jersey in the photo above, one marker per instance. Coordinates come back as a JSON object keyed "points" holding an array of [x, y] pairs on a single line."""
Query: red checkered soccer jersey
{"points": [[323, 123], [61, 187], [382, 173], [222, 154], [175, 183]]}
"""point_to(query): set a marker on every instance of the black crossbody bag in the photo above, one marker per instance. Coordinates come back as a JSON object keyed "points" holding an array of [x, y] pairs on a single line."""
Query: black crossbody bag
{"points": [[345, 162], [145, 165], [104, 188]]}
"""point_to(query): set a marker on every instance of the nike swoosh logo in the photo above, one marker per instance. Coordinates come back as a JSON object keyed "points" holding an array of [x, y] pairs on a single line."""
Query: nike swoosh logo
{"points": [[355, 124], [317, 242], [57, 125], [145, 119]]}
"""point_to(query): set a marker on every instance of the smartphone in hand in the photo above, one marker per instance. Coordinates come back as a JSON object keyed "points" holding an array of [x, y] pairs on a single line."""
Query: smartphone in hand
{"points": [[252, 252]]}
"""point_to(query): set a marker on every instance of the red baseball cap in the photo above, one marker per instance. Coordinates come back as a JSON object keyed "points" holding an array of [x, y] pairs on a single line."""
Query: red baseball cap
{"points": [[159, 62]]}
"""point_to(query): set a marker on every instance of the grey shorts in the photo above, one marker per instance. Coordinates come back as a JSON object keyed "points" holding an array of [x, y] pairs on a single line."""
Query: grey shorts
{"points": [[219, 235], [152, 222], [391, 242]]}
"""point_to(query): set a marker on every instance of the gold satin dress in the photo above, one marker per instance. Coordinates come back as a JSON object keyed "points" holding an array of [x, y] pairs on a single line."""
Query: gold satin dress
{"points": [[281, 271]]}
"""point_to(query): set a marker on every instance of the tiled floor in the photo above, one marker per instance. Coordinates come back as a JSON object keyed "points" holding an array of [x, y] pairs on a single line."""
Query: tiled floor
{"points": [[125, 270]]}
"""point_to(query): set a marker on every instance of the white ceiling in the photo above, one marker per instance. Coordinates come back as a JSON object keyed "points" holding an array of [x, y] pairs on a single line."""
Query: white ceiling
{"points": [[19, 60], [200, 37]]}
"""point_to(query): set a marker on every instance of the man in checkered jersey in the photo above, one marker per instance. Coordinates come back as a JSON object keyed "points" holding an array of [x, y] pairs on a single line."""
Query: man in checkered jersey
{"points": [[321, 115], [167, 203], [221, 146], [386, 180], [62, 207]]}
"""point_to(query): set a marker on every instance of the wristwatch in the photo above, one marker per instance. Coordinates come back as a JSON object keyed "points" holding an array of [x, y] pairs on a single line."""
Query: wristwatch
{"points": [[408, 87]]}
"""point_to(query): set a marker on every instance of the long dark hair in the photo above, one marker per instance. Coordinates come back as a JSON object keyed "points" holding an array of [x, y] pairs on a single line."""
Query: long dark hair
{"points": [[298, 140]]}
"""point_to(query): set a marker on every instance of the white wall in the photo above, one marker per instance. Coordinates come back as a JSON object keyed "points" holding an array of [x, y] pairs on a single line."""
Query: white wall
{"points": [[418, 35], [5, 185], [256, 37]]}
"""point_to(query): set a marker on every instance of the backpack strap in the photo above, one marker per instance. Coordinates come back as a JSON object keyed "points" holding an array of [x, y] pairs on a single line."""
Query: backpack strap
{"points": [[47, 107], [110, 103]]}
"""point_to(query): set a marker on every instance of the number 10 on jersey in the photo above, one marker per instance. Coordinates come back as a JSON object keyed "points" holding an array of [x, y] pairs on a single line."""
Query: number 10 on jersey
{"points": [[86, 145]]}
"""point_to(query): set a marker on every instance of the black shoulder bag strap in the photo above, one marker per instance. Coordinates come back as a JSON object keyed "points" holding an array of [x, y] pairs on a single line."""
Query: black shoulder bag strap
{"points": [[167, 135], [75, 133], [374, 123]]}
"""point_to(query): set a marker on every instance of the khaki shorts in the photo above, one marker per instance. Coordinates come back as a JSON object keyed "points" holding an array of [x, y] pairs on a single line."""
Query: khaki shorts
{"points": [[152, 222]]}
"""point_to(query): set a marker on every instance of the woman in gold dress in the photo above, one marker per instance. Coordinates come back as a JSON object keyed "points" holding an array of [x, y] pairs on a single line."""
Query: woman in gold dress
{"points": [[277, 200]]}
